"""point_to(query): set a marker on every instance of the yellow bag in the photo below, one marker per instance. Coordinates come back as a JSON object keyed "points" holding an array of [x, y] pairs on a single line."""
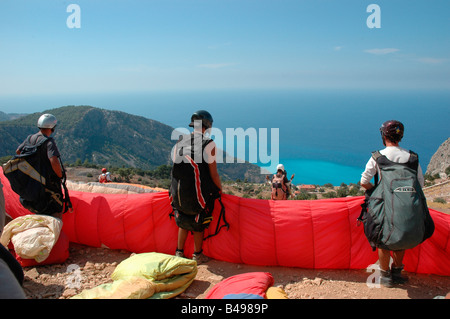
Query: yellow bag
{"points": [[147, 275]]}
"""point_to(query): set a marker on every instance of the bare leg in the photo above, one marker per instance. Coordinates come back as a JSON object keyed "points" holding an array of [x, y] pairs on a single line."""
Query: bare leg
{"points": [[182, 236], [398, 258], [198, 241], [198, 252], [397, 267], [384, 257]]}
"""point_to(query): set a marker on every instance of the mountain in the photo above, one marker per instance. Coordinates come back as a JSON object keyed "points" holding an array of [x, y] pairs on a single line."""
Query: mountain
{"points": [[9, 116], [109, 138], [440, 161]]}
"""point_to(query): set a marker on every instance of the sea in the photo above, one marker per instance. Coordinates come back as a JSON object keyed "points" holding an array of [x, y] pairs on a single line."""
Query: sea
{"points": [[321, 136]]}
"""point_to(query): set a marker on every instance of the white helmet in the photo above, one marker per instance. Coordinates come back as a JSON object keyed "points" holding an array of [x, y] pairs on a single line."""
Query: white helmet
{"points": [[280, 166], [47, 121]]}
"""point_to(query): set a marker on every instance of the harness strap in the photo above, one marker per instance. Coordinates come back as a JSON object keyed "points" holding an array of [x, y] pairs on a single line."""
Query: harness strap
{"points": [[222, 216], [66, 200]]}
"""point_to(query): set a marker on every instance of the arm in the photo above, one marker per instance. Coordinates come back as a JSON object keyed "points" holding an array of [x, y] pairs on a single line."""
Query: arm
{"points": [[367, 186], [19, 148], [213, 167], [54, 161], [369, 172]]}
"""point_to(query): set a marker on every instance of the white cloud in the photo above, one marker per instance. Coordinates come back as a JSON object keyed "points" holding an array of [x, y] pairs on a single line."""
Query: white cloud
{"points": [[215, 65], [382, 51], [338, 48]]}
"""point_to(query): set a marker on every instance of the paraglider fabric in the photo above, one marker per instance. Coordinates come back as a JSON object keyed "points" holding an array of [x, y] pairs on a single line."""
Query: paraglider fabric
{"points": [[252, 285], [58, 254], [314, 234], [147, 275], [33, 236]]}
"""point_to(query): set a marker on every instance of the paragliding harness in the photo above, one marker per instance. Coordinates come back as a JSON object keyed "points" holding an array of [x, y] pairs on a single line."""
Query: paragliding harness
{"points": [[192, 191], [394, 213], [33, 179]]}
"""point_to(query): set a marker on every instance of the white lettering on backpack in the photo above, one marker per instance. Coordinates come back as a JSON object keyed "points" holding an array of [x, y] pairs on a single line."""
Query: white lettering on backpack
{"points": [[405, 189]]}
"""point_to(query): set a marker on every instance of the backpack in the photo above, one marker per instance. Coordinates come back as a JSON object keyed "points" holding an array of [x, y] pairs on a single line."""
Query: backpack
{"points": [[395, 212], [279, 188], [33, 179], [192, 190]]}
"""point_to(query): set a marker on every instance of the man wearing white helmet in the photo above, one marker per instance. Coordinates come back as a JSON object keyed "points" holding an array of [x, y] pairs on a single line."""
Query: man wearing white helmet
{"points": [[46, 124]]}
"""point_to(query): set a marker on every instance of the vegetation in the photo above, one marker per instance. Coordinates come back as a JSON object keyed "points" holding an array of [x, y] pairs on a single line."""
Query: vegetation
{"points": [[430, 177], [440, 200], [158, 177]]}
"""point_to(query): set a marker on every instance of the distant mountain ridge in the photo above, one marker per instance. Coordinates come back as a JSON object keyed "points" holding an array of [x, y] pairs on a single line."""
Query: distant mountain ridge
{"points": [[109, 138], [9, 116]]}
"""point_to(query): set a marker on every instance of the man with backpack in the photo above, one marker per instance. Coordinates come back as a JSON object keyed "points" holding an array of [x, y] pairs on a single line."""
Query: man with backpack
{"points": [[395, 213], [195, 184], [48, 197]]}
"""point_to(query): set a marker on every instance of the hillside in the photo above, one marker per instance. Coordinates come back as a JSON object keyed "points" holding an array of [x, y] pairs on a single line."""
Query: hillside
{"points": [[108, 138], [9, 116], [440, 161]]}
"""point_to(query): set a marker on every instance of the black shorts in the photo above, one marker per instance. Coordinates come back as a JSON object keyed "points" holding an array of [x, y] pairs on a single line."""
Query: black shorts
{"points": [[196, 223]]}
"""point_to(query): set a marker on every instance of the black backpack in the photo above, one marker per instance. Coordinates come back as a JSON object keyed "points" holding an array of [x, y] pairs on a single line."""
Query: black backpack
{"points": [[33, 179], [395, 212], [192, 190]]}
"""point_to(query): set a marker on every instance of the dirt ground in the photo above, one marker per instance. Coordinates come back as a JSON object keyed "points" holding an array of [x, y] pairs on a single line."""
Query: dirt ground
{"points": [[97, 264]]}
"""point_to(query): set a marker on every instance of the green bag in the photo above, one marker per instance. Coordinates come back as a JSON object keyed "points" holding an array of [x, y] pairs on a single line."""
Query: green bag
{"points": [[397, 216]]}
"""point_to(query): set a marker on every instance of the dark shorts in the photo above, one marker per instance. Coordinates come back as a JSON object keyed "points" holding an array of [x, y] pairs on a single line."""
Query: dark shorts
{"points": [[196, 223]]}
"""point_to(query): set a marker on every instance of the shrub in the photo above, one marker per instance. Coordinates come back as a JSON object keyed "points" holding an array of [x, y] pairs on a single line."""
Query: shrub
{"points": [[440, 200]]}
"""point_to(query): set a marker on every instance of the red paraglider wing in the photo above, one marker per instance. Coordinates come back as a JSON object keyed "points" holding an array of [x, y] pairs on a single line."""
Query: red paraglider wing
{"points": [[307, 234]]}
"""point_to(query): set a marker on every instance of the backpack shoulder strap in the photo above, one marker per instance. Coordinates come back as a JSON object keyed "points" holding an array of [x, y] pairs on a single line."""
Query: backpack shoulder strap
{"points": [[413, 161], [376, 155], [413, 156], [36, 142], [44, 141]]}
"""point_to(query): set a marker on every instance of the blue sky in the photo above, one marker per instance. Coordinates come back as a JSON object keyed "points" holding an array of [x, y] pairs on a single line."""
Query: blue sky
{"points": [[170, 45]]}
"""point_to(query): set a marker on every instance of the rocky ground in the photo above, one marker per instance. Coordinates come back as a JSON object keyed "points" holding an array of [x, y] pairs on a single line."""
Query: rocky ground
{"points": [[97, 264], [440, 190]]}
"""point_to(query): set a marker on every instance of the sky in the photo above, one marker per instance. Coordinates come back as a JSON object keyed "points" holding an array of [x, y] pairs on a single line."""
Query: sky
{"points": [[49, 48]]}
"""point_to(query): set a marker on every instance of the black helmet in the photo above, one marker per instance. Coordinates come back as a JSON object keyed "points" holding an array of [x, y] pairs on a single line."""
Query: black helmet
{"points": [[393, 130], [203, 116]]}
